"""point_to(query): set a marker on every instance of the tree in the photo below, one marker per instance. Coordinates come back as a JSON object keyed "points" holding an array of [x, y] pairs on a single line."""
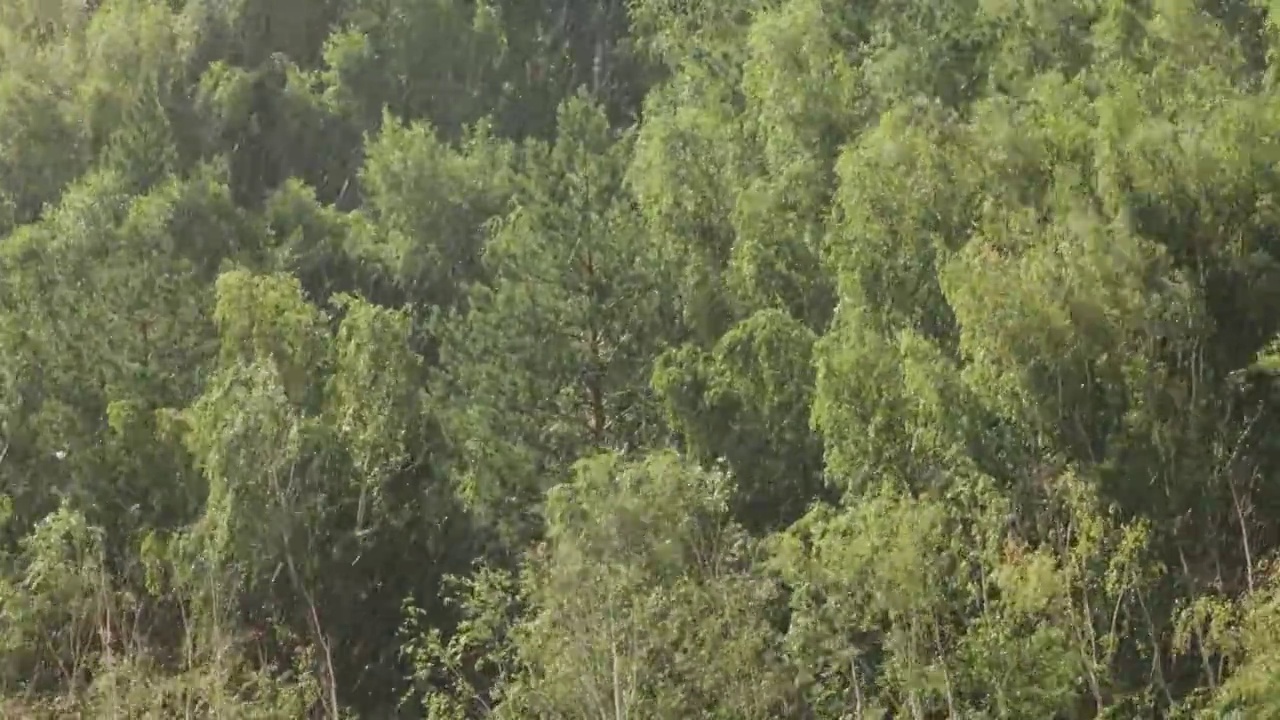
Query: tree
{"points": [[550, 361]]}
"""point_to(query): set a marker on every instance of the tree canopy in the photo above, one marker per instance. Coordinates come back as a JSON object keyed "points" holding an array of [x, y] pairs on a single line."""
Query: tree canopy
{"points": [[733, 359]]}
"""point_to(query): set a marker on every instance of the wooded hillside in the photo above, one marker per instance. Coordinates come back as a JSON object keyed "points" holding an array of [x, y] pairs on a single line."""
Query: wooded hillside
{"points": [[639, 359]]}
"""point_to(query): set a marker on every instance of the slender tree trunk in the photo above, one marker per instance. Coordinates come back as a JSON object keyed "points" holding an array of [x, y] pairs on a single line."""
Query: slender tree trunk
{"points": [[857, 689], [1244, 533]]}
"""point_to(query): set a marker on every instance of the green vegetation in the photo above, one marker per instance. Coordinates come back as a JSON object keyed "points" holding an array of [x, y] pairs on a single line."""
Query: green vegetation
{"points": [[605, 360]]}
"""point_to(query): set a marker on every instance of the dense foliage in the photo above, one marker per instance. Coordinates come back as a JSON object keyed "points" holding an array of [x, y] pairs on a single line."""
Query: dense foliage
{"points": [[599, 359]]}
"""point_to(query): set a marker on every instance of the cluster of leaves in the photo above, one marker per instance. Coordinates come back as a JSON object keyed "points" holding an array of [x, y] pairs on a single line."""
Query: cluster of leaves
{"points": [[603, 359]]}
